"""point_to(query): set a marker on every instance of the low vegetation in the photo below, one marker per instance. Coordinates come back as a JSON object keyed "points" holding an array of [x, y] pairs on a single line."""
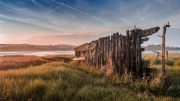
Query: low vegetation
{"points": [[157, 62], [55, 78], [18, 61]]}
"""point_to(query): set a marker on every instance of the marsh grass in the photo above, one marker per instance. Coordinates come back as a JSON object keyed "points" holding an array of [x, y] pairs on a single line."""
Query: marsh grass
{"points": [[170, 62], [59, 80], [18, 61], [177, 63], [157, 62]]}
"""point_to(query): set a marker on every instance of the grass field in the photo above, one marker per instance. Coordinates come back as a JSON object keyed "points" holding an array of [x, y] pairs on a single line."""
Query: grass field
{"points": [[55, 78]]}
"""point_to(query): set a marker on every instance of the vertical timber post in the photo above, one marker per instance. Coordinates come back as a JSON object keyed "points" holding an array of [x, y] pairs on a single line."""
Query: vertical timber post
{"points": [[163, 48], [128, 52], [167, 56]]}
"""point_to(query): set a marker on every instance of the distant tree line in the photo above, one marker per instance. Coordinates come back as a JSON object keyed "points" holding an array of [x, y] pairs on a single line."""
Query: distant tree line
{"points": [[158, 47]]}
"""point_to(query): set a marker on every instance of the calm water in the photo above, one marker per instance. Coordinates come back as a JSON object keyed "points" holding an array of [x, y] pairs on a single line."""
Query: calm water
{"points": [[150, 52], [37, 53], [44, 53]]}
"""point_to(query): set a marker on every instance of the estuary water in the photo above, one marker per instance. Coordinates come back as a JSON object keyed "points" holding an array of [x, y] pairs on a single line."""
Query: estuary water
{"points": [[44, 53], [37, 53], [170, 51]]}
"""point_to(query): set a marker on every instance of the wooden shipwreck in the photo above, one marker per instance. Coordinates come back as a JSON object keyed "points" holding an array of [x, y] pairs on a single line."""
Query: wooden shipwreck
{"points": [[117, 53]]}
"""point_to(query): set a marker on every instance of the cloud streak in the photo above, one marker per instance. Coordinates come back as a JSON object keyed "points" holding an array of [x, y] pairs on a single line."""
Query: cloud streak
{"points": [[84, 13], [90, 18], [34, 1]]}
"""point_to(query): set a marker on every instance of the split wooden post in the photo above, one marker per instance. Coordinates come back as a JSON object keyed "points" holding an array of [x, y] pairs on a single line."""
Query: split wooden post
{"points": [[163, 47]]}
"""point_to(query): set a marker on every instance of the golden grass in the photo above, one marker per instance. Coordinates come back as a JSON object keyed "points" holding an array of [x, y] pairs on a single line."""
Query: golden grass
{"points": [[59, 80], [18, 61]]}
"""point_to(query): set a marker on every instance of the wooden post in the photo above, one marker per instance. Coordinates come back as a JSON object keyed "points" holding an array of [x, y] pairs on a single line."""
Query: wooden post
{"points": [[105, 51], [127, 52], [112, 47], [167, 56], [120, 55], [108, 46], [138, 58], [98, 53], [133, 49], [163, 47], [101, 58], [163, 50], [124, 54]]}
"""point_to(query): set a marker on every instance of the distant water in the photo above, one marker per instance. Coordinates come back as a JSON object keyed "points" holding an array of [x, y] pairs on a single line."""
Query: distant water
{"points": [[44, 53], [171, 51], [37, 53]]}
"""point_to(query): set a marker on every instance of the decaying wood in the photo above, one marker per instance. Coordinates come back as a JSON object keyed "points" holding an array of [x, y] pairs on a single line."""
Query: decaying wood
{"points": [[117, 53]]}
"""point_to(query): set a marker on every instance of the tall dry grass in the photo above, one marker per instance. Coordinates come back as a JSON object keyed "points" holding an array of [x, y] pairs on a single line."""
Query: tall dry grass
{"points": [[19, 61], [59, 80]]}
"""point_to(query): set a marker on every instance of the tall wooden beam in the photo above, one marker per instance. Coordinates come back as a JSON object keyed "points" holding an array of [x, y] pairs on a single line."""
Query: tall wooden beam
{"points": [[128, 52], [163, 47]]}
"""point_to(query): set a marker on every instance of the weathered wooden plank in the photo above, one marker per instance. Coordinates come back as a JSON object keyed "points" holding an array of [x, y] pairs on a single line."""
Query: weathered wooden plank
{"points": [[120, 55], [138, 61], [124, 55], [133, 49], [128, 52], [108, 46], [98, 54]]}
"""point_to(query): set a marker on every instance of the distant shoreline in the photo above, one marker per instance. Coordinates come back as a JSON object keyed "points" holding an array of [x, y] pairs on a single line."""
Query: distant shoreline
{"points": [[37, 53], [27, 47]]}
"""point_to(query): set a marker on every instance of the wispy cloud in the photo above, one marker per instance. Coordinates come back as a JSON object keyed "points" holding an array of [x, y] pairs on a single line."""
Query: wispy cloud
{"points": [[35, 2], [162, 1], [84, 13], [90, 19], [126, 21]]}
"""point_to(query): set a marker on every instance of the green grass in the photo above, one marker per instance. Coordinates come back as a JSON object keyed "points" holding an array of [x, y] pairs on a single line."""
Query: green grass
{"points": [[157, 62], [170, 62], [60, 81]]}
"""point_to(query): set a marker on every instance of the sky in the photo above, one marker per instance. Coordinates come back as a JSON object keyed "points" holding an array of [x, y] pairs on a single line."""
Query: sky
{"points": [[51, 22]]}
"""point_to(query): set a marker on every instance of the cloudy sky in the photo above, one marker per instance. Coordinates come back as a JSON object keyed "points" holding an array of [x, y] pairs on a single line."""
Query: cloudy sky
{"points": [[80, 21]]}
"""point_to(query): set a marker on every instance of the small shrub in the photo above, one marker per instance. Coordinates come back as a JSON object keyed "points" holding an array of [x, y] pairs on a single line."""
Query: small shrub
{"points": [[115, 79], [157, 62], [175, 58], [177, 63], [170, 63], [174, 90]]}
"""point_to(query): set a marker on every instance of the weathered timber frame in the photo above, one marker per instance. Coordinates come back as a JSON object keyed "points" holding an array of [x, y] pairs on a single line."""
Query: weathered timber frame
{"points": [[118, 53]]}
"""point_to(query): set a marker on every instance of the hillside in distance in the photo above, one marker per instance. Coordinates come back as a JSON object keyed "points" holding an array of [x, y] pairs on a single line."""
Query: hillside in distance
{"points": [[156, 47], [63, 47], [28, 47]]}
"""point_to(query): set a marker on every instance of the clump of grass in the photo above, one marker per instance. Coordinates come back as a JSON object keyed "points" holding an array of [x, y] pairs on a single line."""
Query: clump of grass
{"points": [[65, 58], [157, 62], [175, 58], [170, 62], [177, 63], [174, 90]]}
